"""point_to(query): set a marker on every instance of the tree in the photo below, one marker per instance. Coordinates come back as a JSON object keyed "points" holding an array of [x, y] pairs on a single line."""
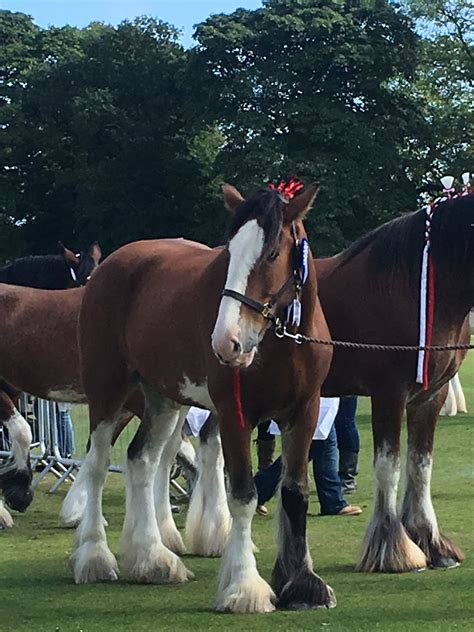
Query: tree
{"points": [[104, 147]]}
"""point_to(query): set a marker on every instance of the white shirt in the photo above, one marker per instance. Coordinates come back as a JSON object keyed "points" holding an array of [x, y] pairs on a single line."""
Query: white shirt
{"points": [[327, 414], [197, 417]]}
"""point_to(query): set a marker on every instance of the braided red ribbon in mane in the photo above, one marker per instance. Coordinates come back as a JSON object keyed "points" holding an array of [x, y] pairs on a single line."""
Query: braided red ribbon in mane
{"points": [[287, 189]]}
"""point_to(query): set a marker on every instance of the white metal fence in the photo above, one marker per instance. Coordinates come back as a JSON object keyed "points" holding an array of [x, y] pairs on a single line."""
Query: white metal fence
{"points": [[59, 445]]}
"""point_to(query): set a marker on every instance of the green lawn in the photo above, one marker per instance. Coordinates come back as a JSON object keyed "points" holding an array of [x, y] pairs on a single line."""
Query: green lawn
{"points": [[37, 593]]}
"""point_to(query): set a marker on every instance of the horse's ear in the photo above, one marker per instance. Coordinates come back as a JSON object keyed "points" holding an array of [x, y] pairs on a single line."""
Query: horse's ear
{"points": [[232, 198], [298, 207], [95, 252], [68, 255]]}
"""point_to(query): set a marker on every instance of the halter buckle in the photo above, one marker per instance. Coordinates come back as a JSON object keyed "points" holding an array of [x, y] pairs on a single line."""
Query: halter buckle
{"points": [[282, 332], [266, 310]]}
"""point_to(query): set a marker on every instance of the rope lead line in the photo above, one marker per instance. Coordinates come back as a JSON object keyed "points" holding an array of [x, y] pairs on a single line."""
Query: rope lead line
{"points": [[281, 332]]}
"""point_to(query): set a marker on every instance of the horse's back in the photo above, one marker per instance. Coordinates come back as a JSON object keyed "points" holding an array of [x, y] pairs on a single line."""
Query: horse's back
{"points": [[135, 306]]}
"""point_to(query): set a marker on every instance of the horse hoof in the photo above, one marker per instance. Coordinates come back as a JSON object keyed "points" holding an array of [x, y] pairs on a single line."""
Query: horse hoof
{"points": [[305, 592], [251, 596], [155, 565], [445, 563], [93, 562]]}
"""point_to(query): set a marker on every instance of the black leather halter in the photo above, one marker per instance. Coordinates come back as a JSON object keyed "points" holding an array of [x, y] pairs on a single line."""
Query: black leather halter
{"points": [[267, 309]]}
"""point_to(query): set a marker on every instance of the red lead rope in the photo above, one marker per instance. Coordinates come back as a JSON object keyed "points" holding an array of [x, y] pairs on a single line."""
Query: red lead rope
{"points": [[237, 398]]}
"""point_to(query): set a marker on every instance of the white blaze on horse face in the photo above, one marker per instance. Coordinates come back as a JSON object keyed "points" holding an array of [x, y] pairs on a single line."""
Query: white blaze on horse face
{"points": [[232, 337]]}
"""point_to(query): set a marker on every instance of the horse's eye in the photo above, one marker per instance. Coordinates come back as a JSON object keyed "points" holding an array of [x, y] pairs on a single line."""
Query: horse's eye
{"points": [[273, 255]]}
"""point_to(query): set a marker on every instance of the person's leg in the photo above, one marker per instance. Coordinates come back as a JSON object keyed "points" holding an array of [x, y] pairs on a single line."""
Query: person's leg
{"points": [[328, 483], [347, 442], [325, 466], [266, 482], [265, 446]]}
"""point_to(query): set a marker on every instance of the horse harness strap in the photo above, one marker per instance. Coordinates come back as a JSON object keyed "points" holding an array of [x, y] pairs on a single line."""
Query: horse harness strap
{"points": [[296, 280], [265, 309]]}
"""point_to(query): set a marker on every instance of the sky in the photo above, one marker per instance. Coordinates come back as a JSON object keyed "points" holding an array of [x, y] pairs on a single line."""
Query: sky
{"points": [[183, 14]]}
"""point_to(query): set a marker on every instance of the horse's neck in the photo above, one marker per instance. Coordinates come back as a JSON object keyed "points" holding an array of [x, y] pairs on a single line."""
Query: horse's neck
{"points": [[37, 272]]}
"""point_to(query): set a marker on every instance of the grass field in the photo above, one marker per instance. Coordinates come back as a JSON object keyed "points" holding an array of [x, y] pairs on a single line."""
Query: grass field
{"points": [[37, 592]]}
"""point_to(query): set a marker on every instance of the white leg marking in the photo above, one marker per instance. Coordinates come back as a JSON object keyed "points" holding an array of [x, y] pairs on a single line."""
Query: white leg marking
{"points": [[170, 535], [241, 589], [459, 394], [146, 558], [418, 510], [21, 438], [386, 544], [449, 407], [6, 521], [92, 560], [208, 520]]}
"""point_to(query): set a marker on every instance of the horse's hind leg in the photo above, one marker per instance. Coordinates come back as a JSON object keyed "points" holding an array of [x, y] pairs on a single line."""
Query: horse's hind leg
{"points": [[208, 520], [170, 535], [241, 589], [15, 472], [146, 558], [294, 580], [418, 515], [387, 547], [92, 560]]}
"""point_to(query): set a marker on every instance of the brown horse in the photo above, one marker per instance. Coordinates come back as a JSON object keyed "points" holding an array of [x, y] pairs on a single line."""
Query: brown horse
{"points": [[147, 318], [369, 293], [34, 337]]}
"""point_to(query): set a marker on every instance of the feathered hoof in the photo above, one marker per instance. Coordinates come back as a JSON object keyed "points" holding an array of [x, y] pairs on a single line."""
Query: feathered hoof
{"points": [[93, 562], [155, 565], [305, 591], [251, 596], [172, 539], [388, 549]]}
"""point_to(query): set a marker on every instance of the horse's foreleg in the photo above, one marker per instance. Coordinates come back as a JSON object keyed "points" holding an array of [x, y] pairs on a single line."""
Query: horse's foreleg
{"points": [[146, 558], [241, 589], [208, 520], [418, 515], [296, 584], [387, 547], [6, 521], [15, 472], [92, 560], [170, 535]]}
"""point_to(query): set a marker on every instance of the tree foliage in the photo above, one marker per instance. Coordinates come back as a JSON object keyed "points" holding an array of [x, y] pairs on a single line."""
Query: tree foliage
{"points": [[118, 133]]}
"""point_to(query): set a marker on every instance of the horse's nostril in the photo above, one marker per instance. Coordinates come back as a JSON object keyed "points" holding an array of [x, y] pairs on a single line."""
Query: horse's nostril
{"points": [[237, 347]]}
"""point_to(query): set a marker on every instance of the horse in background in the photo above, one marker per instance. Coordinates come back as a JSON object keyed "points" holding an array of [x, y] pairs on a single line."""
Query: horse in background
{"points": [[370, 294], [32, 339], [53, 272], [147, 319], [39, 355]]}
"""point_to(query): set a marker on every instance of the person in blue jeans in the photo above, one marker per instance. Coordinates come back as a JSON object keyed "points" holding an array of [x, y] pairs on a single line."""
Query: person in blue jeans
{"points": [[324, 456], [348, 442]]}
